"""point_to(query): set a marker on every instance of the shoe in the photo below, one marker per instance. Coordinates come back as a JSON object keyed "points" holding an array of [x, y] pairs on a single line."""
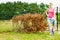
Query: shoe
{"points": [[52, 31]]}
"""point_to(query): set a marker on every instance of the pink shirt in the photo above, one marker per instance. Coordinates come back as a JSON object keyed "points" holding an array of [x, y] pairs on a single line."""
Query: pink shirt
{"points": [[50, 13]]}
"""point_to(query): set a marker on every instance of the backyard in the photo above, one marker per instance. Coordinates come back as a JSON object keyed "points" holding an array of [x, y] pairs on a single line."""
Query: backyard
{"points": [[34, 19]]}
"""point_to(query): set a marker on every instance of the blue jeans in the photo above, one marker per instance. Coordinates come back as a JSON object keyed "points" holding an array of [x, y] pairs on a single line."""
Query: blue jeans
{"points": [[50, 20]]}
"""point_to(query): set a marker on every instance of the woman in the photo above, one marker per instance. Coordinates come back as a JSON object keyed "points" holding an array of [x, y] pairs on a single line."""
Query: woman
{"points": [[51, 18]]}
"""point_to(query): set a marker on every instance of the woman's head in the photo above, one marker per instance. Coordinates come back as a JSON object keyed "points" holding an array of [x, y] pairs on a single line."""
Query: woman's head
{"points": [[50, 5]]}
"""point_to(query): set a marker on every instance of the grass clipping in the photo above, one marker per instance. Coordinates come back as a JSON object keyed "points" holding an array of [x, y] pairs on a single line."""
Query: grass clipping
{"points": [[31, 22]]}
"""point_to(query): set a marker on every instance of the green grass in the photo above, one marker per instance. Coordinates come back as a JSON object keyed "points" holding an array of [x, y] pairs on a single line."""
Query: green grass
{"points": [[25, 36], [6, 26]]}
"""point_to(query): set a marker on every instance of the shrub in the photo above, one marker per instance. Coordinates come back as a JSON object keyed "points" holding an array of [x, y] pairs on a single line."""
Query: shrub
{"points": [[31, 22]]}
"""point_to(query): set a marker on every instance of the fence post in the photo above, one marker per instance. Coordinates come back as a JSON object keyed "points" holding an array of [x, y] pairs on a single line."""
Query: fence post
{"points": [[57, 18]]}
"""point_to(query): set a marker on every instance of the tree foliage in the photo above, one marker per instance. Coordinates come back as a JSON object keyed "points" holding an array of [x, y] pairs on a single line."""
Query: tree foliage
{"points": [[9, 9]]}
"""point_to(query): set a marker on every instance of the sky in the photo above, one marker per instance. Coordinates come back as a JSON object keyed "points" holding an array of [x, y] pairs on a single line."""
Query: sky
{"points": [[55, 2]]}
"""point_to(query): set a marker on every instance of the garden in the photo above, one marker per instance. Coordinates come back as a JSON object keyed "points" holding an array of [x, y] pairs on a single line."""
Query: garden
{"points": [[23, 21]]}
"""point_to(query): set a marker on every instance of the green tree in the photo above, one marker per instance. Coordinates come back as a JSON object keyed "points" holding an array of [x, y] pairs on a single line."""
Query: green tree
{"points": [[33, 8], [9, 9], [43, 7]]}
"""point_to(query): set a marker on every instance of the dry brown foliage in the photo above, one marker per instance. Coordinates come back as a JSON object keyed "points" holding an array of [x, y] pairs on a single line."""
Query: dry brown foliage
{"points": [[31, 22]]}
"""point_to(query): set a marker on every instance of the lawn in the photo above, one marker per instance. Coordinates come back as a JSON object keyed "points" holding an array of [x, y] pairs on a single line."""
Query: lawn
{"points": [[25, 36], [5, 34]]}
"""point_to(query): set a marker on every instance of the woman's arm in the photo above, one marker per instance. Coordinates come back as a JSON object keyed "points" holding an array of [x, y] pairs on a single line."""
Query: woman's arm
{"points": [[54, 14], [46, 12]]}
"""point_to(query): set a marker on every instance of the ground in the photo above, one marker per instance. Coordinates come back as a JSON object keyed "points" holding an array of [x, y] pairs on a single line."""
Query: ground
{"points": [[7, 26], [25, 36]]}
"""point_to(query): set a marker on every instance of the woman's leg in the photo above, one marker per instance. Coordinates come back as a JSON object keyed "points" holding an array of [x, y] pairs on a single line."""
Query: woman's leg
{"points": [[49, 24], [55, 24]]}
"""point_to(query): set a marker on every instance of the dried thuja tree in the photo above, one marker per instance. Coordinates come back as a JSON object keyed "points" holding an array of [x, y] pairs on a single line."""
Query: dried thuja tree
{"points": [[31, 22]]}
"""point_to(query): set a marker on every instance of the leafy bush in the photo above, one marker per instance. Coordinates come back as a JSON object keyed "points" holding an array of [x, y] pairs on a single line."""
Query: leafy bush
{"points": [[59, 17], [9, 9]]}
